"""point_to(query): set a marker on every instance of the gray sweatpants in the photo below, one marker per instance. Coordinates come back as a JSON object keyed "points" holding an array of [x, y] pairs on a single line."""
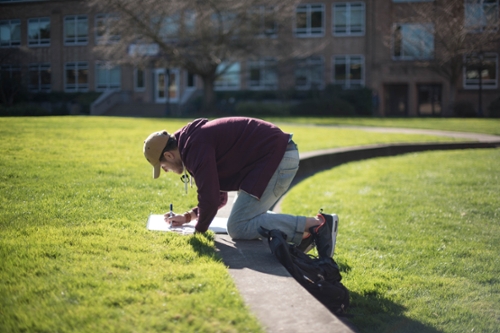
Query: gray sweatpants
{"points": [[248, 212]]}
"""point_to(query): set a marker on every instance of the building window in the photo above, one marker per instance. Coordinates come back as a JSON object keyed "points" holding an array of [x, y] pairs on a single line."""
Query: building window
{"points": [[190, 80], [262, 74], [11, 73], [104, 33], [265, 22], [228, 76], [168, 27], [10, 33], [107, 76], [39, 31], [310, 20], [349, 70], [349, 19], [76, 30], [481, 15], [76, 76], [309, 73], [481, 70], [413, 41], [40, 77], [139, 79]]}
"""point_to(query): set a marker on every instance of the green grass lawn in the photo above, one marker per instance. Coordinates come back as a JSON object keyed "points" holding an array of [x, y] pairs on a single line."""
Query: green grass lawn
{"points": [[475, 125], [419, 238], [75, 255]]}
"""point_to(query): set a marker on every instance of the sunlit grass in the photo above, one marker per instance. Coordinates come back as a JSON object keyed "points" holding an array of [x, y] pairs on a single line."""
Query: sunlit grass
{"points": [[419, 238], [475, 125], [75, 255]]}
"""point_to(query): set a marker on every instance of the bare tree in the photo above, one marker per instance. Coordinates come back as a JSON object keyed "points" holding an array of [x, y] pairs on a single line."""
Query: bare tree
{"points": [[462, 31], [195, 35]]}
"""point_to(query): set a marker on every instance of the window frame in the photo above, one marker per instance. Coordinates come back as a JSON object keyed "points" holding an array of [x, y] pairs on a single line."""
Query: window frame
{"points": [[75, 41], [107, 67], [39, 42], [349, 83], [78, 66], [482, 27], [189, 86], [12, 23], [404, 57], [309, 63], [222, 82], [484, 84], [348, 13], [266, 66], [40, 86], [309, 31], [137, 88], [106, 19]]}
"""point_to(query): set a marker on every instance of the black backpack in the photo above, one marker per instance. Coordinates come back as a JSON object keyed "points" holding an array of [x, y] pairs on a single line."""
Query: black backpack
{"points": [[320, 276]]}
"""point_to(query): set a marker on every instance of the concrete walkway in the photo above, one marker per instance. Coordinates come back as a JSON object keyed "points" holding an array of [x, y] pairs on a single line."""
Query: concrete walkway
{"points": [[273, 296]]}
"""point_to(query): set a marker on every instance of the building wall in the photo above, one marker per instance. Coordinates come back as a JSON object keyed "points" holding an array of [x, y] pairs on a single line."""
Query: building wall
{"points": [[390, 79]]}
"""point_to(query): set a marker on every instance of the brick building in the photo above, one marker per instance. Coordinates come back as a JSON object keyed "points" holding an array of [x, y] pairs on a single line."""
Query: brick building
{"points": [[49, 45]]}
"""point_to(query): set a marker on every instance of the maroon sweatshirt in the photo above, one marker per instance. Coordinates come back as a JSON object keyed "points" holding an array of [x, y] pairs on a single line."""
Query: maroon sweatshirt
{"points": [[229, 154]]}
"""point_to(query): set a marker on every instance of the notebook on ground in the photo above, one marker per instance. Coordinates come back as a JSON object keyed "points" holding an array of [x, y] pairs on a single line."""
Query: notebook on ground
{"points": [[156, 222]]}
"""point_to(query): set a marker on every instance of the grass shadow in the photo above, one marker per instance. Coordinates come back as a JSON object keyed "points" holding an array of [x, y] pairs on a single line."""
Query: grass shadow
{"points": [[372, 313]]}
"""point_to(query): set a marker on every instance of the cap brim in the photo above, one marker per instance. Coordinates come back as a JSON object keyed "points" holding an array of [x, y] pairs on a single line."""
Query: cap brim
{"points": [[156, 171]]}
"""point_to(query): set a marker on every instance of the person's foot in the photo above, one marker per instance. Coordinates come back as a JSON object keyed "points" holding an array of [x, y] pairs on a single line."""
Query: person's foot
{"points": [[307, 244], [325, 234]]}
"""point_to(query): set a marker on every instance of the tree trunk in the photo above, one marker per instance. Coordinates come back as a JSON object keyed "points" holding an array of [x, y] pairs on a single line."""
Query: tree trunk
{"points": [[208, 94]]}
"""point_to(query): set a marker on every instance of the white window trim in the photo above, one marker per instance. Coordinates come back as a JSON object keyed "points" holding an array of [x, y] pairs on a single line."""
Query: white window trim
{"points": [[261, 12], [480, 29], [136, 88], [99, 40], [225, 87], [40, 42], [308, 33], [75, 18], [85, 87], [262, 64], [348, 83], [108, 86], [308, 60], [11, 42], [39, 68], [348, 25], [195, 79], [405, 57], [484, 87]]}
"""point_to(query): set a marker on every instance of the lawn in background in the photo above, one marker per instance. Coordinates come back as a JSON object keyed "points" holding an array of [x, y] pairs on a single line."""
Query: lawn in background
{"points": [[419, 238], [475, 125]]}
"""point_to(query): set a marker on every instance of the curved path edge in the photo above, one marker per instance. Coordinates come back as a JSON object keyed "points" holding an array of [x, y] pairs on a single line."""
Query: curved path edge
{"points": [[273, 296]]}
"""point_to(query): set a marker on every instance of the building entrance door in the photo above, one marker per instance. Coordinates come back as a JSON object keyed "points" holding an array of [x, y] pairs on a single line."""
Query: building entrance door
{"points": [[396, 99], [163, 78]]}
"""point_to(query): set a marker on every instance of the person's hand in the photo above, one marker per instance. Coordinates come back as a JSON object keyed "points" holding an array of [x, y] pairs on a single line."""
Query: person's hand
{"points": [[175, 220]]}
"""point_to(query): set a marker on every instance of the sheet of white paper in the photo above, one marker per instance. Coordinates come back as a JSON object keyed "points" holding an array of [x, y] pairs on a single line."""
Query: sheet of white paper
{"points": [[156, 222]]}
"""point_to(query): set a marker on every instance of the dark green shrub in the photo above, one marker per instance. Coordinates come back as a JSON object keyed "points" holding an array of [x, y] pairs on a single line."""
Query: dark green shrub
{"points": [[323, 107], [23, 110], [464, 109], [494, 108], [262, 109]]}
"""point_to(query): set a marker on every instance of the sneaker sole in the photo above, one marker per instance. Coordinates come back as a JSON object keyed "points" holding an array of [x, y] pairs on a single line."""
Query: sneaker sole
{"points": [[334, 231]]}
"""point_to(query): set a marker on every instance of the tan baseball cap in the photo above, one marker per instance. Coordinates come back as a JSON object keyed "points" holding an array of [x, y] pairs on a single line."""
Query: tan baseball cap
{"points": [[153, 147]]}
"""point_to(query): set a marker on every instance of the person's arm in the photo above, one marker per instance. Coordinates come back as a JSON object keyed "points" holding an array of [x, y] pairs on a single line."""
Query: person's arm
{"points": [[191, 215]]}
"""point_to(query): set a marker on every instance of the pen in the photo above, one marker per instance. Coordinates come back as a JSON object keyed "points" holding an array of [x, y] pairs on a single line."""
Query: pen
{"points": [[171, 210]]}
